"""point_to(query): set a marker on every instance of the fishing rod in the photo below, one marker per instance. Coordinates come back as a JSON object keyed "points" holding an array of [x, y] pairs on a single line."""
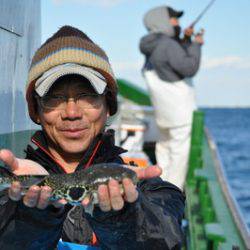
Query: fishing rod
{"points": [[198, 18]]}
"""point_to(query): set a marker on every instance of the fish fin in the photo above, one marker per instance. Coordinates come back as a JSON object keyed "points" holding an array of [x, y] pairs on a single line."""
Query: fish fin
{"points": [[93, 201], [94, 198], [5, 176], [89, 209], [5, 181]]}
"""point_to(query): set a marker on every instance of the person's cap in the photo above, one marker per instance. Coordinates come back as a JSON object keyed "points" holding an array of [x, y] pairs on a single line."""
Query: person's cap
{"points": [[45, 82], [70, 45], [174, 13]]}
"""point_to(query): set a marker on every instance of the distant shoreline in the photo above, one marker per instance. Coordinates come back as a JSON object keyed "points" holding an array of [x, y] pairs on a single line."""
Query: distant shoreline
{"points": [[224, 107]]}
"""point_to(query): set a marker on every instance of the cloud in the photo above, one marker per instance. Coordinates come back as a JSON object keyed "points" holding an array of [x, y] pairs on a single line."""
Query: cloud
{"points": [[129, 70], [227, 61], [127, 66], [102, 3]]}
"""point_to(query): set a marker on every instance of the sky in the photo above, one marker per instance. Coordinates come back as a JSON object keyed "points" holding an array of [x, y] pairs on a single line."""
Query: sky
{"points": [[116, 26]]}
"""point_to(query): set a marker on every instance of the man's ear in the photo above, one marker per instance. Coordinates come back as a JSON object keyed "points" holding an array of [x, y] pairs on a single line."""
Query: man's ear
{"points": [[38, 121], [37, 118], [37, 111], [108, 120]]}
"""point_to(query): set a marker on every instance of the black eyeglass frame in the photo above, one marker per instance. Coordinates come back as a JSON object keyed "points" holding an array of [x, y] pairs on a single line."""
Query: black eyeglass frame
{"points": [[65, 99]]}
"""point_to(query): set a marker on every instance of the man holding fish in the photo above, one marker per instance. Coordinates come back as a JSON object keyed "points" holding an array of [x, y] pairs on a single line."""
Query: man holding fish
{"points": [[71, 92]]}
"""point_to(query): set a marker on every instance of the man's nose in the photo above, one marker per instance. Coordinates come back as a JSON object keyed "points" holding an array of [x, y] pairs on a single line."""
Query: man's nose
{"points": [[72, 110]]}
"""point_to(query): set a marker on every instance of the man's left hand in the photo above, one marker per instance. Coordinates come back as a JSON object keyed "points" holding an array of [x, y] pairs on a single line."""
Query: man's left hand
{"points": [[110, 196], [188, 32]]}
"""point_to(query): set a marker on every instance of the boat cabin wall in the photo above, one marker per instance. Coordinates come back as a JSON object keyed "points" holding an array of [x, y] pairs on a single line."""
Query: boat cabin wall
{"points": [[20, 36]]}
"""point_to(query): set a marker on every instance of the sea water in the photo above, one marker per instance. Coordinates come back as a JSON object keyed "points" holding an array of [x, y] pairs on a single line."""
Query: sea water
{"points": [[230, 129]]}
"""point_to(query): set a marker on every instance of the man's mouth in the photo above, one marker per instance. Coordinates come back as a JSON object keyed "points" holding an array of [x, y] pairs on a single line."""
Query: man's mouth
{"points": [[73, 132]]}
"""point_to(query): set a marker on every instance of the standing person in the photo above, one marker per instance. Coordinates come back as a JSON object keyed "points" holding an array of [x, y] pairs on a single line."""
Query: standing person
{"points": [[170, 64], [71, 91]]}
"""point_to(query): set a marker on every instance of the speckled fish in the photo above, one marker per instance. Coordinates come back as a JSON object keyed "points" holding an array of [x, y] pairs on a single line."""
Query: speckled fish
{"points": [[76, 186]]}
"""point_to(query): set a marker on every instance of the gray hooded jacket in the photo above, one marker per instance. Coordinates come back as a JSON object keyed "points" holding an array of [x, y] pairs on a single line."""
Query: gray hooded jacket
{"points": [[171, 59]]}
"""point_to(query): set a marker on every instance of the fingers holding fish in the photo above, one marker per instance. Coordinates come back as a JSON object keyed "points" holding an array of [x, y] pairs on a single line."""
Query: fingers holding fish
{"points": [[116, 199], [44, 199], [130, 192], [15, 191], [103, 198], [40, 197], [111, 196], [32, 196], [30, 199]]}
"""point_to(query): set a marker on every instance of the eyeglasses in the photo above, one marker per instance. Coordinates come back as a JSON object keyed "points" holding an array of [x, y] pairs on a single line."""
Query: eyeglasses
{"points": [[85, 101]]}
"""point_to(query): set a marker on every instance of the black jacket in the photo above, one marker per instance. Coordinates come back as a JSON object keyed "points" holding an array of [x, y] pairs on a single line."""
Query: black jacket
{"points": [[152, 222]]}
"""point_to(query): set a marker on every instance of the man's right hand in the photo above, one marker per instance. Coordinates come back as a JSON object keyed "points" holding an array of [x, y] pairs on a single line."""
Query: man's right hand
{"points": [[199, 37], [36, 196]]}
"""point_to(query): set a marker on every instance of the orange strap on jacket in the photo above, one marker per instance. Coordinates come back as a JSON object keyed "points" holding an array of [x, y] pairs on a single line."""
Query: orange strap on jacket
{"points": [[94, 240], [93, 154]]}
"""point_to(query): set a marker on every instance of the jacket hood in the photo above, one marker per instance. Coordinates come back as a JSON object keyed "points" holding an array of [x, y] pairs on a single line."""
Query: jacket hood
{"points": [[158, 20], [149, 42]]}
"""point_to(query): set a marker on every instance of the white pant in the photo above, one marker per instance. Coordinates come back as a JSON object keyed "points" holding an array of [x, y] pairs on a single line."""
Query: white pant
{"points": [[172, 152], [174, 104]]}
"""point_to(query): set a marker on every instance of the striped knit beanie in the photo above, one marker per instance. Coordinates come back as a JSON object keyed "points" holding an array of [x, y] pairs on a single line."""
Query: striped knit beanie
{"points": [[70, 45]]}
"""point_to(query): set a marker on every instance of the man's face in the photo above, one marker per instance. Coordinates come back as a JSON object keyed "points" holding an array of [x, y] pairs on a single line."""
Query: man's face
{"points": [[71, 129], [177, 28], [174, 21]]}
